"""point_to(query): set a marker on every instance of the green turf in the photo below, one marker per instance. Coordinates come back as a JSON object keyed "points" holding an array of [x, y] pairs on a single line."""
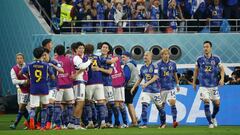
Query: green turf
{"points": [[5, 121]]}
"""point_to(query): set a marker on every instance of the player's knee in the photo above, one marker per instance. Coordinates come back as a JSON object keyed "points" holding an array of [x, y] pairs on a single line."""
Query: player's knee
{"points": [[51, 101], [217, 103], [172, 102], [206, 101]]}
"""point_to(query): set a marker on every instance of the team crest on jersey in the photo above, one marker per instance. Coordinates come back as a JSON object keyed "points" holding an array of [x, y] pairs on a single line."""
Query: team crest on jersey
{"points": [[170, 67], [150, 69]]}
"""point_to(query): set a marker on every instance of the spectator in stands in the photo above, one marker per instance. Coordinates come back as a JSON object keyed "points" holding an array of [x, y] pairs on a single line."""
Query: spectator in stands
{"points": [[140, 14], [66, 16], [232, 11], [100, 7], [156, 14], [118, 14], [110, 16], [202, 13], [89, 13], [215, 12], [172, 13], [78, 5], [128, 12]]}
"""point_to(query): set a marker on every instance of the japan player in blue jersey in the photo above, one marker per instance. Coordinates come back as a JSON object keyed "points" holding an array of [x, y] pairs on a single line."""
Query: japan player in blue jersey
{"points": [[38, 72], [167, 72], [52, 85], [95, 88], [207, 69], [151, 88], [108, 90]]}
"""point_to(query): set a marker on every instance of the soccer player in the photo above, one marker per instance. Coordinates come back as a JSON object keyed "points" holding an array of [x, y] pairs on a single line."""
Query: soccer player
{"points": [[52, 84], [95, 89], [118, 82], [206, 69], [47, 43], [22, 84], [151, 87], [81, 63], [167, 72], [65, 90], [131, 76], [107, 81], [38, 72]]}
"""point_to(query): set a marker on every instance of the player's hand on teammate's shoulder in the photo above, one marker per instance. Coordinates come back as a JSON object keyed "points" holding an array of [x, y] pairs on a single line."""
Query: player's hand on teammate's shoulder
{"points": [[95, 68], [50, 64]]}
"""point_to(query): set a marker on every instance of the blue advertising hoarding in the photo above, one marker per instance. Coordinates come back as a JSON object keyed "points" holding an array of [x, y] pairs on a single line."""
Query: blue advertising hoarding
{"points": [[191, 109]]}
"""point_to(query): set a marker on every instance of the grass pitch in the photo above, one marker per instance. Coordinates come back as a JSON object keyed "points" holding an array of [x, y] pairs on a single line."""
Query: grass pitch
{"points": [[6, 120]]}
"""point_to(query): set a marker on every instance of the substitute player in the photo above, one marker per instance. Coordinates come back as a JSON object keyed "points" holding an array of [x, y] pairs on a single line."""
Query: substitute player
{"points": [[207, 69], [64, 85], [22, 85], [167, 72], [81, 63]]}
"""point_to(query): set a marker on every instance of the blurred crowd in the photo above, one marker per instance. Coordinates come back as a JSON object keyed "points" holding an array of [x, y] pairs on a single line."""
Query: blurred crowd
{"points": [[118, 12]]}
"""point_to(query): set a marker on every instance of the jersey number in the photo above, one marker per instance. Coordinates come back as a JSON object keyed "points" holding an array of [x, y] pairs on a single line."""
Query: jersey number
{"points": [[38, 75], [165, 73], [208, 69], [94, 63], [148, 77]]}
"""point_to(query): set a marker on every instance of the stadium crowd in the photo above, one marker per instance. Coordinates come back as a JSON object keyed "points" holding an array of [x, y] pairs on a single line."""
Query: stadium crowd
{"points": [[118, 12]]}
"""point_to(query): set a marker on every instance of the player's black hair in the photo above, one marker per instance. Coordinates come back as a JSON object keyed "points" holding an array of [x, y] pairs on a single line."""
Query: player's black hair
{"points": [[209, 42], [68, 2], [89, 48], [38, 52], [46, 50], [109, 47], [45, 42], [59, 49], [99, 45], [75, 46]]}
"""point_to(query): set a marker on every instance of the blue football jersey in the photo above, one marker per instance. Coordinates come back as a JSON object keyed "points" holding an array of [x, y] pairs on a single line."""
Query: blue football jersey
{"points": [[147, 73], [95, 77], [208, 70], [166, 74], [107, 79], [52, 84], [38, 72]]}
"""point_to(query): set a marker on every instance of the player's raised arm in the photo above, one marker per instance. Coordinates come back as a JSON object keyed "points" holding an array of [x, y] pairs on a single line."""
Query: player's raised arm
{"points": [[58, 67], [195, 74]]}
